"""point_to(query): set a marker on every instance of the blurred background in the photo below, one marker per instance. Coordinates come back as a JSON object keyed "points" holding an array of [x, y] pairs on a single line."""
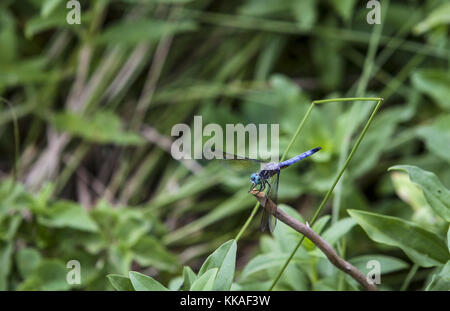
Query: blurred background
{"points": [[87, 172]]}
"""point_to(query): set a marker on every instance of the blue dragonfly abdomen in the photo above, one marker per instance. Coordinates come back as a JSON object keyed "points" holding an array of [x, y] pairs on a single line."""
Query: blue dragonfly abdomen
{"points": [[300, 157]]}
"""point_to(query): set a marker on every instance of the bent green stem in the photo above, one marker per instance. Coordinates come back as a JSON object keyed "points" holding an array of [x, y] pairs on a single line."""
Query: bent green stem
{"points": [[338, 177]]}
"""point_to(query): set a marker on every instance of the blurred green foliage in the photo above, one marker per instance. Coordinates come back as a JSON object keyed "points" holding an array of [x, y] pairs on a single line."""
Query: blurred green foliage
{"points": [[96, 103]]}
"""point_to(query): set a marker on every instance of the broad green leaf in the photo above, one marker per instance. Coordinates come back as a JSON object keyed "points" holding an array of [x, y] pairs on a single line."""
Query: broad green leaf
{"points": [[142, 282], [206, 281], [437, 136], [320, 224], [334, 233], [439, 16], [434, 83], [388, 264], [434, 191], [53, 275], [408, 191], [287, 238], [64, 214], [423, 247], [440, 280], [50, 275], [176, 283], [9, 226], [412, 194], [101, 127], [338, 230], [269, 261], [28, 259], [189, 277], [137, 31], [120, 282], [224, 259]]}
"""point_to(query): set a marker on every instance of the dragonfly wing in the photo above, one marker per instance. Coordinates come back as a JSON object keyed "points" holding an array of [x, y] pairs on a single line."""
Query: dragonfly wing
{"points": [[238, 163], [273, 195], [264, 219], [267, 219]]}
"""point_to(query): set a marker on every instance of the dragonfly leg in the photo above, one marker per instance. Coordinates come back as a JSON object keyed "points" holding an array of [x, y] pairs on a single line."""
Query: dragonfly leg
{"points": [[262, 186], [252, 187]]}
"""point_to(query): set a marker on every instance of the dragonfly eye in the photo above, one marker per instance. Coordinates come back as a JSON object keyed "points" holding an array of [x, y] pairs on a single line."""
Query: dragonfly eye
{"points": [[255, 178]]}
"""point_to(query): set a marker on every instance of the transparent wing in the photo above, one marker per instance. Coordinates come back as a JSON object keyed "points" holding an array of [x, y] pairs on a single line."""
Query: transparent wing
{"points": [[267, 219], [238, 163]]}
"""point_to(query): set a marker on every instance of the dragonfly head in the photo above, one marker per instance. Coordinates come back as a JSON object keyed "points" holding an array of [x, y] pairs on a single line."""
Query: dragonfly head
{"points": [[255, 179]]}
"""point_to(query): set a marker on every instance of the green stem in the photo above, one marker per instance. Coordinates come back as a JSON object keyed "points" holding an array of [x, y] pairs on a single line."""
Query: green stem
{"points": [[409, 277], [338, 177]]}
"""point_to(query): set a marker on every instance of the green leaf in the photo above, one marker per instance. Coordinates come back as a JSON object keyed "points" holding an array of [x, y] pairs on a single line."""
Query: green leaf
{"points": [[388, 264], [437, 136], [434, 191], [206, 281], [338, 230], [224, 259], [27, 71], [448, 239], [28, 259], [137, 31], [120, 282], [344, 8], [50, 275], [317, 227], [305, 12], [142, 282], [440, 280], [434, 83], [269, 261], [49, 6], [57, 19], [148, 251], [64, 214], [189, 277], [102, 127], [423, 247], [439, 16]]}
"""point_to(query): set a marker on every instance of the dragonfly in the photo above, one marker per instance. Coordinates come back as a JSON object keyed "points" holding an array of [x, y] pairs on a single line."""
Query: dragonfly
{"points": [[268, 177]]}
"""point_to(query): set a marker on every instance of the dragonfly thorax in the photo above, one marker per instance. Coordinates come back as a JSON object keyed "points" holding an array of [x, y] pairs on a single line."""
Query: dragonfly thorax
{"points": [[269, 170]]}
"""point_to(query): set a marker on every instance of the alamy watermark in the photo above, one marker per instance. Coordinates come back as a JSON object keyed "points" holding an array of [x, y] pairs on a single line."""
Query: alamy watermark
{"points": [[374, 275], [73, 277], [189, 144], [74, 14], [374, 15]]}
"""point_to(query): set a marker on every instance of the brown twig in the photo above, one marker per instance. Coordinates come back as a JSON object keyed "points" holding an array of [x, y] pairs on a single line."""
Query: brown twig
{"points": [[317, 240]]}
